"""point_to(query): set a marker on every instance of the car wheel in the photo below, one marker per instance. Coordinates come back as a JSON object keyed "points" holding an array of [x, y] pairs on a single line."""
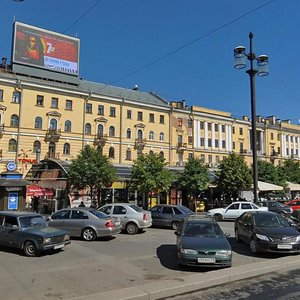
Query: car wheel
{"points": [[30, 249], [131, 228], [253, 246], [218, 217], [237, 237], [88, 234], [175, 225]]}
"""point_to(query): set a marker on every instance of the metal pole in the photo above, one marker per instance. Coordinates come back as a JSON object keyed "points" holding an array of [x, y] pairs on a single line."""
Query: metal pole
{"points": [[252, 72]]}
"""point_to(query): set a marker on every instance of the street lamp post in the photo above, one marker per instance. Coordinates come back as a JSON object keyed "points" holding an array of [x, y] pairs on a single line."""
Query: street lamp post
{"points": [[240, 57]]}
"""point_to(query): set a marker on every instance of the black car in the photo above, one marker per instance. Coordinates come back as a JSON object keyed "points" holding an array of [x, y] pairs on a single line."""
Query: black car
{"points": [[267, 232], [29, 232], [201, 242], [165, 215], [276, 207]]}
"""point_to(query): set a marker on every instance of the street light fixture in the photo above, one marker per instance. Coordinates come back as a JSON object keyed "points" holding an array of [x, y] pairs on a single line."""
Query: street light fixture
{"points": [[240, 57]]}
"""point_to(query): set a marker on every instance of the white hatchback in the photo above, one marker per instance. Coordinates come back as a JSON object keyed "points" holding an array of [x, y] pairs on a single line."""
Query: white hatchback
{"points": [[233, 210]]}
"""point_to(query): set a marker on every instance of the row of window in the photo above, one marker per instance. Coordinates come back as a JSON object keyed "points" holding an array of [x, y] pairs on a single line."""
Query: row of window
{"points": [[16, 98]]}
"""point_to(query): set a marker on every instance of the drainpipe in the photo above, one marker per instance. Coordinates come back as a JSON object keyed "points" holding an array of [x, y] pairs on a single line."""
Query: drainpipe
{"points": [[121, 127], [20, 88], [83, 119]]}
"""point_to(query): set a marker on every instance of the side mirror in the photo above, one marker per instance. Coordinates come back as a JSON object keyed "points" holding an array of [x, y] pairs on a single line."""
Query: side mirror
{"points": [[227, 234], [15, 227]]}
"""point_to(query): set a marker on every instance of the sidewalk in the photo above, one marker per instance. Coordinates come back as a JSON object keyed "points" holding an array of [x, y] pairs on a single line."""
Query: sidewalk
{"points": [[168, 288]]}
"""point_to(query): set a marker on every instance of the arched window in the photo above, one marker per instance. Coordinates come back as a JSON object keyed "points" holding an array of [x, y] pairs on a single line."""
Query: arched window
{"points": [[12, 145], [68, 126], [161, 153], [128, 154], [100, 150], [14, 121], [112, 131], [53, 124], [161, 136], [67, 149], [151, 152], [38, 123], [100, 130], [151, 135], [88, 128], [128, 133], [111, 152], [140, 135], [36, 145]]}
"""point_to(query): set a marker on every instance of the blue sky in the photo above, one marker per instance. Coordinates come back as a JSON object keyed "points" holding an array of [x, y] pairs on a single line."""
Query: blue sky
{"points": [[119, 37]]}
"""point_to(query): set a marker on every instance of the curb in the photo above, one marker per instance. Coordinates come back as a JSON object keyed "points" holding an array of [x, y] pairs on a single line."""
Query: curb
{"points": [[195, 282]]}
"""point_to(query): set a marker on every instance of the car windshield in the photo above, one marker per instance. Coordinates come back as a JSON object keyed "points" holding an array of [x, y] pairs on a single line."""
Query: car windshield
{"points": [[202, 229], [98, 214], [136, 208], [271, 221], [32, 221]]}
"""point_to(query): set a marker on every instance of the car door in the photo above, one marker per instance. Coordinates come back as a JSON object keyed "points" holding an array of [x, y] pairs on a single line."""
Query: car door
{"points": [[9, 235], [246, 207], [156, 215], [120, 211], [167, 216], [76, 222], [244, 227], [59, 219], [232, 211]]}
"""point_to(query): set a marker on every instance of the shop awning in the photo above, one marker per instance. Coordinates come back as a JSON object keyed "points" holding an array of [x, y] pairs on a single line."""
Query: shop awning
{"points": [[265, 186], [293, 186]]}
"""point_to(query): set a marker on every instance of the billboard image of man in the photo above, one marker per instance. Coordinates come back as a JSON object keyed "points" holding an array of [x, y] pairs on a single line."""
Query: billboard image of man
{"points": [[35, 50]]}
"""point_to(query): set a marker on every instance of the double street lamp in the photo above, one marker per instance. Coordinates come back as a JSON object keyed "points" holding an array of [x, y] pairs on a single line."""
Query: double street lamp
{"points": [[240, 62]]}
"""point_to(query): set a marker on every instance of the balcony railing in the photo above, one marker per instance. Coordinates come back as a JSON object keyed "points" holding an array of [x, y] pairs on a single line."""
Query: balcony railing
{"points": [[181, 145], [100, 139], [53, 155], [180, 163], [53, 135], [140, 144]]}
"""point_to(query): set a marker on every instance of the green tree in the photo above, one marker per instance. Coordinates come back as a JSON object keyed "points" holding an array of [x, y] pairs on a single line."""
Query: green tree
{"points": [[149, 174], [194, 177], [234, 175], [268, 172], [290, 170], [91, 169]]}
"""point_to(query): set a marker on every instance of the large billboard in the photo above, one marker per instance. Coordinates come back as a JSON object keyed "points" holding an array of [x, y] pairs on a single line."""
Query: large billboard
{"points": [[45, 49]]}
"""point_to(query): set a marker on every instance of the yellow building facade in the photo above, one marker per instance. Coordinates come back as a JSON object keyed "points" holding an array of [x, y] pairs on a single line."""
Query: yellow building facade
{"points": [[42, 118]]}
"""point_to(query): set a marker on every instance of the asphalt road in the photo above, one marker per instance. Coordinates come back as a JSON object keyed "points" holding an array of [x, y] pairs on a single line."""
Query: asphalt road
{"points": [[85, 268], [275, 286]]}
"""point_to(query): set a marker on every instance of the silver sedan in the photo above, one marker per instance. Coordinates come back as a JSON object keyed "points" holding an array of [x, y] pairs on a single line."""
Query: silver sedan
{"points": [[87, 223]]}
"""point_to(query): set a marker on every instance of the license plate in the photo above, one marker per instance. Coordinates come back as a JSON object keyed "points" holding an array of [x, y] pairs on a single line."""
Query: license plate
{"points": [[284, 246], [59, 246], [206, 260]]}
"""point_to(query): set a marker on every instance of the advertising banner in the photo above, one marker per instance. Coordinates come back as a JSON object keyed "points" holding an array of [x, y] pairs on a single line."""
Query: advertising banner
{"points": [[45, 49]]}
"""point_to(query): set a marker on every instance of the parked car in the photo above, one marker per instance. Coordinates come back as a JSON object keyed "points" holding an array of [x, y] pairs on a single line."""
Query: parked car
{"points": [[133, 218], [295, 218], [87, 223], [294, 204], [29, 232], [233, 210], [164, 215], [267, 232], [277, 207], [201, 242]]}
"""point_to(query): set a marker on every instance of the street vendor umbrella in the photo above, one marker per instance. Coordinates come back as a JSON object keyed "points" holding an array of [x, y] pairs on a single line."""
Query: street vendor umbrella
{"points": [[34, 190]]}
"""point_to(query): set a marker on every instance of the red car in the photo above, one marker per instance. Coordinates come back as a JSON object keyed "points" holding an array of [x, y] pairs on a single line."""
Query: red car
{"points": [[294, 204]]}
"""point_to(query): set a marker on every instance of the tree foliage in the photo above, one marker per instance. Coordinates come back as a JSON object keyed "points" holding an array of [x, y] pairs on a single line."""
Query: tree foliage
{"points": [[149, 174], [195, 176], [268, 172], [290, 170], [91, 169], [234, 175]]}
